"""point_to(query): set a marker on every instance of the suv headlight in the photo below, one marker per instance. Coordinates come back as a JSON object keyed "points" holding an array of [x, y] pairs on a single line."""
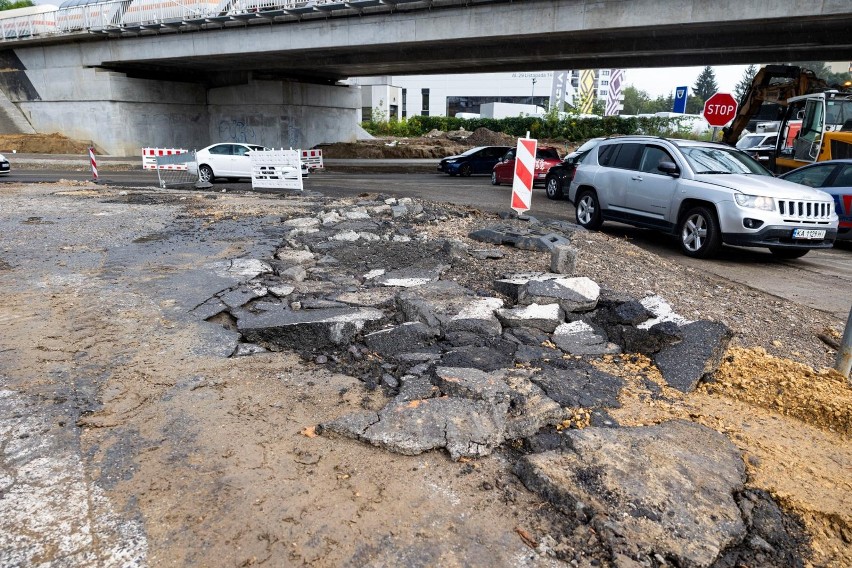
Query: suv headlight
{"points": [[755, 202]]}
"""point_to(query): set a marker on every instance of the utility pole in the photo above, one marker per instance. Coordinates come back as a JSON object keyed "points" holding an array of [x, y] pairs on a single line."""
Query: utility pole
{"points": [[532, 95]]}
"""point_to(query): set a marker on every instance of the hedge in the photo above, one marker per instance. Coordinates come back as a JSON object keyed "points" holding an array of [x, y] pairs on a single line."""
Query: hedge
{"points": [[567, 128]]}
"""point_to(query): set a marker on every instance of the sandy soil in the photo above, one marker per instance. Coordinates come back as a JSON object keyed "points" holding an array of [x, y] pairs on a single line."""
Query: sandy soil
{"points": [[42, 144], [215, 459]]}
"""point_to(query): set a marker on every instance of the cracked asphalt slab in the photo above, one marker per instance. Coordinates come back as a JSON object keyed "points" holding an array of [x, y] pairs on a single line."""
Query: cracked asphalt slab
{"points": [[186, 455]]}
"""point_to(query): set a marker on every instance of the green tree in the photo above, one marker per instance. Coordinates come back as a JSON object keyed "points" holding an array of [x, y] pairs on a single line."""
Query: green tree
{"points": [[694, 105], [6, 5], [705, 84], [634, 100], [824, 72], [745, 83]]}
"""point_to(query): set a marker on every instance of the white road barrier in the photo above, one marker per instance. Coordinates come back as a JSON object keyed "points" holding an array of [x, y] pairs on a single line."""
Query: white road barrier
{"points": [[150, 155], [276, 169]]}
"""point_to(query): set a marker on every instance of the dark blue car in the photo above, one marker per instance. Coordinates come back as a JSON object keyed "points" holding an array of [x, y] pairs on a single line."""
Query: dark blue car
{"points": [[479, 160]]}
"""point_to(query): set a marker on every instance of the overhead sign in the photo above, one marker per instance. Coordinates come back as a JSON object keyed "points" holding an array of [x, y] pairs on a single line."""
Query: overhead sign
{"points": [[680, 100], [720, 109], [522, 183]]}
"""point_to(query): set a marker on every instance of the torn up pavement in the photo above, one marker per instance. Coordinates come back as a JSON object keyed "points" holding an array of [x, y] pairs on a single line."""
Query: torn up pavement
{"points": [[508, 365]]}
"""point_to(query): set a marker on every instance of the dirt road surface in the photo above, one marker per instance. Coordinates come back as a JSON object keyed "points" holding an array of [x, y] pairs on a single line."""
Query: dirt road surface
{"points": [[129, 438]]}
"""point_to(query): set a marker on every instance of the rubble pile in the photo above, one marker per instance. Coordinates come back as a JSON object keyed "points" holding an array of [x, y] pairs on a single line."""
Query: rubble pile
{"points": [[358, 288]]}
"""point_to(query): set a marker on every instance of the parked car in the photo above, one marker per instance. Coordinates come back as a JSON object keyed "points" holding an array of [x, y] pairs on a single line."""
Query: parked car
{"points": [[559, 176], [835, 178], [230, 160], [754, 140], [479, 160], [707, 194], [504, 170], [5, 166], [759, 146]]}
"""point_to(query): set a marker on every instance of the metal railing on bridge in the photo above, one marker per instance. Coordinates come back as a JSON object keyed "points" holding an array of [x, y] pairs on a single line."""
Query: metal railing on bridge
{"points": [[135, 16]]}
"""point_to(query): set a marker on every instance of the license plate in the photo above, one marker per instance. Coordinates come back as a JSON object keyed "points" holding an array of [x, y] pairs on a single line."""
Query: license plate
{"points": [[808, 234]]}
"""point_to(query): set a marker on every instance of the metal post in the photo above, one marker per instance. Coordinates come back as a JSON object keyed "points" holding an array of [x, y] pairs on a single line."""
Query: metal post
{"points": [[532, 95], [844, 354]]}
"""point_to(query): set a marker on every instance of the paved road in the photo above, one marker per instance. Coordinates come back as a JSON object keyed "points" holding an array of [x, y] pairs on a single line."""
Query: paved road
{"points": [[821, 280]]}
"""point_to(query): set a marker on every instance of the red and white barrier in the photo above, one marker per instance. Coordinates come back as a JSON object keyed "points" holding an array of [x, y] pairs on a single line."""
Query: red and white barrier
{"points": [[149, 158], [522, 183], [94, 163], [313, 158]]}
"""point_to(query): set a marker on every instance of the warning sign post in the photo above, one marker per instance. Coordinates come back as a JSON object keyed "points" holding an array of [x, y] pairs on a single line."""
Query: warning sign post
{"points": [[524, 174]]}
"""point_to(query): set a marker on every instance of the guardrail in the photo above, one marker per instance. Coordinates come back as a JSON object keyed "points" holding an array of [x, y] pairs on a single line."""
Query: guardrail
{"points": [[133, 16]]}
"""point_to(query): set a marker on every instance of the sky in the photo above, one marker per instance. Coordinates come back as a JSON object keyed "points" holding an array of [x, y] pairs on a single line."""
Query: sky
{"points": [[663, 81]]}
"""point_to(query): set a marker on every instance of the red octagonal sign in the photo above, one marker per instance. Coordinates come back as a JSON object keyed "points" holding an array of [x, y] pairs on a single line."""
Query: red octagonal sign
{"points": [[720, 109]]}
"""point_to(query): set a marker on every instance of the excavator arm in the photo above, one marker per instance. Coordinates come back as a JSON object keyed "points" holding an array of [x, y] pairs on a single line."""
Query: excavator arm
{"points": [[772, 84]]}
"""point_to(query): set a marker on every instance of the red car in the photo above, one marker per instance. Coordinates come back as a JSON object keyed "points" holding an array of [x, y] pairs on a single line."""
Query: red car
{"points": [[504, 171]]}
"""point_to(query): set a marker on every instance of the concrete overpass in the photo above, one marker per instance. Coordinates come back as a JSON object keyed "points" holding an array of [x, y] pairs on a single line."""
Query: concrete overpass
{"points": [[275, 77]]}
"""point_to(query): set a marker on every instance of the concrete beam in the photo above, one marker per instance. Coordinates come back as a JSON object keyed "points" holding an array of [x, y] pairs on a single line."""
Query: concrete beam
{"points": [[536, 34]]}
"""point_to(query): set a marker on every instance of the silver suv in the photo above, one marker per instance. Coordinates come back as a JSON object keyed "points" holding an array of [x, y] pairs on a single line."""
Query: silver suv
{"points": [[705, 193]]}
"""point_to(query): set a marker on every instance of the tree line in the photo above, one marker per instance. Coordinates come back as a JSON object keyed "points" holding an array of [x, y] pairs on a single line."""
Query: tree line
{"points": [[639, 102]]}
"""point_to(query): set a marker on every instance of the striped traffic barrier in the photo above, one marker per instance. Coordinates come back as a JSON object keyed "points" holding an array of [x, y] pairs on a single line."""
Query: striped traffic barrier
{"points": [[522, 183], [94, 164]]}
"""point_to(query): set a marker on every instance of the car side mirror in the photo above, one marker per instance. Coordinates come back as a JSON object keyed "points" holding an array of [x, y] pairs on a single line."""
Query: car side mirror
{"points": [[669, 168]]}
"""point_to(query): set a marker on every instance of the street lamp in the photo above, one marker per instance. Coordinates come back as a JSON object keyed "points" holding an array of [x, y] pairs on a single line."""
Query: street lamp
{"points": [[532, 95]]}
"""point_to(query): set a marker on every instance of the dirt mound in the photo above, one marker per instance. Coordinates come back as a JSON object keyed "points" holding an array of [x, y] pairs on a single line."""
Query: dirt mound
{"points": [[822, 399], [401, 148], [432, 145], [42, 144], [485, 137]]}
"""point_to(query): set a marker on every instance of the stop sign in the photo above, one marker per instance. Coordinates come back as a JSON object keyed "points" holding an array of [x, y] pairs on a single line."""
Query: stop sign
{"points": [[720, 109]]}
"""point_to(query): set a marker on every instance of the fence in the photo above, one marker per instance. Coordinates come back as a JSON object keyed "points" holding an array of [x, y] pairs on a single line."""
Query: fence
{"points": [[276, 169], [174, 170]]}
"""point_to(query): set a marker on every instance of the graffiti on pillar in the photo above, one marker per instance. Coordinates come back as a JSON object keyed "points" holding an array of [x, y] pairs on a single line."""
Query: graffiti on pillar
{"points": [[235, 131]]}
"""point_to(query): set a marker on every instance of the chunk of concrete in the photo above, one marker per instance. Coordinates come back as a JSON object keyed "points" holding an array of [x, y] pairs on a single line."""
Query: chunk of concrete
{"points": [[241, 295], [410, 336], [577, 384], [698, 355], [545, 317], [479, 357], [245, 268], [476, 316], [450, 307], [466, 428], [301, 222], [563, 259], [572, 294], [579, 338], [664, 490], [510, 285], [409, 277], [292, 256], [275, 325]]}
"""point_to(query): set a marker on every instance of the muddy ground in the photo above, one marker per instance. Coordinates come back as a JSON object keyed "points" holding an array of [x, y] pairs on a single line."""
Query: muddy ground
{"points": [[130, 438]]}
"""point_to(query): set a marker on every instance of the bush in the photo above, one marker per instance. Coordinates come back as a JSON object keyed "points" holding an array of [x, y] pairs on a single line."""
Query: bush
{"points": [[570, 128]]}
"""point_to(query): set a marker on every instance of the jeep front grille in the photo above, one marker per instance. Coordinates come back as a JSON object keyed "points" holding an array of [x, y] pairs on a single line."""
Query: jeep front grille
{"points": [[805, 211]]}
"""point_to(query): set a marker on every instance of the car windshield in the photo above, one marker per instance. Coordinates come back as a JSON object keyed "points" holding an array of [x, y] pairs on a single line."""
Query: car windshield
{"points": [[750, 141], [472, 151], [711, 160]]}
